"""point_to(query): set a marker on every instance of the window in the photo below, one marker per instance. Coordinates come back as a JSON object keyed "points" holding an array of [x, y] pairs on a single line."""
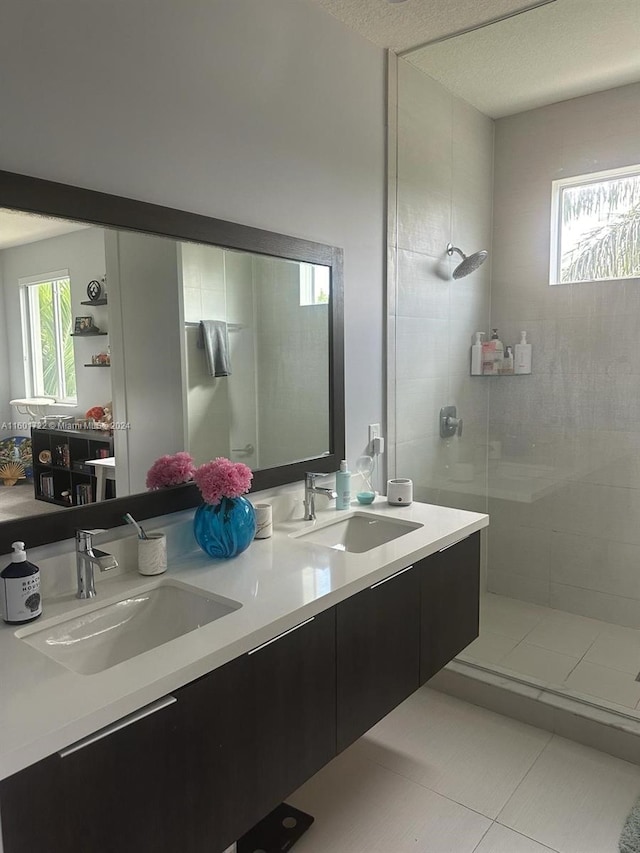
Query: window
{"points": [[596, 227], [314, 284], [47, 323]]}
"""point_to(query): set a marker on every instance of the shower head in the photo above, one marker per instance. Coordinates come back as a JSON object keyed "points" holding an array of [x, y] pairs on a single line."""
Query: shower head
{"points": [[469, 263]]}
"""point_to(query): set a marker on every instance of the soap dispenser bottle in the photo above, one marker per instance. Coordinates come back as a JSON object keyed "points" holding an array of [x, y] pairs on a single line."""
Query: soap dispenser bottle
{"points": [[343, 486], [522, 356], [20, 599], [476, 355]]}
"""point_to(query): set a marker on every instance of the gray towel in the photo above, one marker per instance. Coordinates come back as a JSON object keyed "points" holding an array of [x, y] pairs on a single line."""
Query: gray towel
{"points": [[213, 338]]}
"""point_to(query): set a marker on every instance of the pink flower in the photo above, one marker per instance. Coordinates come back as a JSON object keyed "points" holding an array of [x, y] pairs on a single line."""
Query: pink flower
{"points": [[222, 478], [170, 471]]}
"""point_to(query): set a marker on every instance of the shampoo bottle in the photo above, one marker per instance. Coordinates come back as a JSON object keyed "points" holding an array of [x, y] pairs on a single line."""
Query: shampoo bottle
{"points": [[498, 351], [522, 358], [343, 486], [476, 355], [20, 599], [507, 363]]}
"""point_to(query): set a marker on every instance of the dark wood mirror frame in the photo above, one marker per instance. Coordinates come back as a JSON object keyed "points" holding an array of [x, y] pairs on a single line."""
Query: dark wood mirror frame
{"points": [[33, 195]]}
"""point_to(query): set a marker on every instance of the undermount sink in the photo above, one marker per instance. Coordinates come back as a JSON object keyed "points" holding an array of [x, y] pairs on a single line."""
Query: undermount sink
{"points": [[358, 533], [100, 638]]}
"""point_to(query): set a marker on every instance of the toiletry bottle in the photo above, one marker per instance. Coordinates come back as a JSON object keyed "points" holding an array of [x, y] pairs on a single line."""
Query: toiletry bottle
{"points": [[498, 351], [507, 363], [522, 357], [20, 599], [476, 355], [343, 486]]}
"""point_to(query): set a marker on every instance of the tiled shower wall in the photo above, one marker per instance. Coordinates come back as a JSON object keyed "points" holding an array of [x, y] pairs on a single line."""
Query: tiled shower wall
{"points": [[444, 188], [564, 477]]}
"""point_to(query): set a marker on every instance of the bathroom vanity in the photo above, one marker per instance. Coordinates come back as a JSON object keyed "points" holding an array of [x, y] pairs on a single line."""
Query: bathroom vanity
{"points": [[189, 744]]}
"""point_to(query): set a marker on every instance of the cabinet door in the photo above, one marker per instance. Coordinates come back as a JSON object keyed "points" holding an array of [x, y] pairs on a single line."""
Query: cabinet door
{"points": [[450, 596], [377, 652], [110, 792], [254, 731]]}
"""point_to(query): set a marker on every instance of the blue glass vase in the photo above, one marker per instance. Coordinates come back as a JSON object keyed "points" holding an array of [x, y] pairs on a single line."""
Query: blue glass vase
{"points": [[226, 529]]}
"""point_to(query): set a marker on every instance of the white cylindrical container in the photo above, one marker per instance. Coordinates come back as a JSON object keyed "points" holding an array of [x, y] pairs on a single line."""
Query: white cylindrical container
{"points": [[264, 521], [476, 355], [152, 554], [400, 492]]}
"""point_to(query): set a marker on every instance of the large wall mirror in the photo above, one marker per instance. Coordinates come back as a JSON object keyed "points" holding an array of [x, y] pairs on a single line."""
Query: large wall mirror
{"points": [[131, 331]]}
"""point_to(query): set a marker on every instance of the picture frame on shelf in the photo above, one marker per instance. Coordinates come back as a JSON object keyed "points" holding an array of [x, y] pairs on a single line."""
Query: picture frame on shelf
{"points": [[84, 326]]}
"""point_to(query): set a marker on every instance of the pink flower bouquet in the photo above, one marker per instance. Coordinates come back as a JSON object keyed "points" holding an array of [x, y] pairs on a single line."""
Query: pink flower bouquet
{"points": [[170, 471], [222, 478]]}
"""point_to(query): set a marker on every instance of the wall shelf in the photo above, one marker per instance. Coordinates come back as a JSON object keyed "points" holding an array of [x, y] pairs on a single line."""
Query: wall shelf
{"points": [[97, 365], [102, 301], [87, 334]]}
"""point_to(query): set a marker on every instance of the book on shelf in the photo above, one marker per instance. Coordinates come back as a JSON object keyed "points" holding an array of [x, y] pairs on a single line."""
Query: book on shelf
{"points": [[84, 494], [46, 485]]}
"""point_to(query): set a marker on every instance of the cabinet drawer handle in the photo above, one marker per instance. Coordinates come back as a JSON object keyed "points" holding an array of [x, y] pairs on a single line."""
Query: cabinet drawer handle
{"points": [[121, 724], [457, 542], [390, 578], [280, 636]]}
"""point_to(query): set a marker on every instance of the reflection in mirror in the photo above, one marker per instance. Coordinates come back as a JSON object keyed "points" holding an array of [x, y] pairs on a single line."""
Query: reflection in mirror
{"points": [[105, 366]]}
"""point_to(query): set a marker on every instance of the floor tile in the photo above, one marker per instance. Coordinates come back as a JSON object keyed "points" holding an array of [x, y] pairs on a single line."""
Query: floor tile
{"points": [[605, 683], [489, 648], [466, 753], [543, 664], [360, 807], [499, 839], [509, 617], [617, 651], [574, 799], [565, 633]]}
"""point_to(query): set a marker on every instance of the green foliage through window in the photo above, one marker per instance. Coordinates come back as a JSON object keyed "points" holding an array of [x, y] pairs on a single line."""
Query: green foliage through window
{"points": [[50, 326]]}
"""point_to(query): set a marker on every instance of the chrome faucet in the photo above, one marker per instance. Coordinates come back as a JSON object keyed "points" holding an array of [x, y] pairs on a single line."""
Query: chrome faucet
{"points": [[87, 558], [310, 492]]}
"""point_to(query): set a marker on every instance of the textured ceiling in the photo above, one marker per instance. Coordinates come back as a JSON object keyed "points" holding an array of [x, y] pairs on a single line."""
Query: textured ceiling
{"points": [[16, 229], [405, 25], [560, 51]]}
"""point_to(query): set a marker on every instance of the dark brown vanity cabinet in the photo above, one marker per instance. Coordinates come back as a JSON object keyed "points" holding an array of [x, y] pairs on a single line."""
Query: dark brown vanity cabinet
{"points": [[378, 647], [111, 792], [197, 769], [449, 602], [254, 731]]}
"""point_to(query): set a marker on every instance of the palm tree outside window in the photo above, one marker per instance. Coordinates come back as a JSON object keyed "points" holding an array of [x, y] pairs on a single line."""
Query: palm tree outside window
{"points": [[47, 327], [596, 227]]}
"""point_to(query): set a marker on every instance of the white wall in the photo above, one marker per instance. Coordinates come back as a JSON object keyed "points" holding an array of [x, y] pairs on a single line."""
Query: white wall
{"points": [[265, 113], [444, 193], [82, 253], [575, 422], [142, 271]]}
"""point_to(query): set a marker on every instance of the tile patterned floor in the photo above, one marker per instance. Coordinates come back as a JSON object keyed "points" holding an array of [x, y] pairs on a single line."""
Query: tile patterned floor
{"points": [[439, 775], [579, 655]]}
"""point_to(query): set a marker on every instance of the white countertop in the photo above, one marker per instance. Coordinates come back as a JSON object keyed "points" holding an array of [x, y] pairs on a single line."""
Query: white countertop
{"points": [[280, 582]]}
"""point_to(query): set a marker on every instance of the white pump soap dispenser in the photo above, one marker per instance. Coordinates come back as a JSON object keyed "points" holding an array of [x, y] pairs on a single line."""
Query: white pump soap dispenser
{"points": [[522, 356]]}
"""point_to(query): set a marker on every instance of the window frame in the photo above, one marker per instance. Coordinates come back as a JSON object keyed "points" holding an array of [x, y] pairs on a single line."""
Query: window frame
{"points": [[34, 382], [557, 188]]}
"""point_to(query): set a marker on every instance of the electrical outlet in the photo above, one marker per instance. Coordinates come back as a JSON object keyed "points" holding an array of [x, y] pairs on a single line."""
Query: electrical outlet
{"points": [[374, 432]]}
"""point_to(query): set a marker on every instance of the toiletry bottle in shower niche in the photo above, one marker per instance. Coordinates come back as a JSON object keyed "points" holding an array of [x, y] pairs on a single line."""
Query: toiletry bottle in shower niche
{"points": [[498, 351], [343, 486], [507, 362], [476, 355], [20, 599], [522, 357]]}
